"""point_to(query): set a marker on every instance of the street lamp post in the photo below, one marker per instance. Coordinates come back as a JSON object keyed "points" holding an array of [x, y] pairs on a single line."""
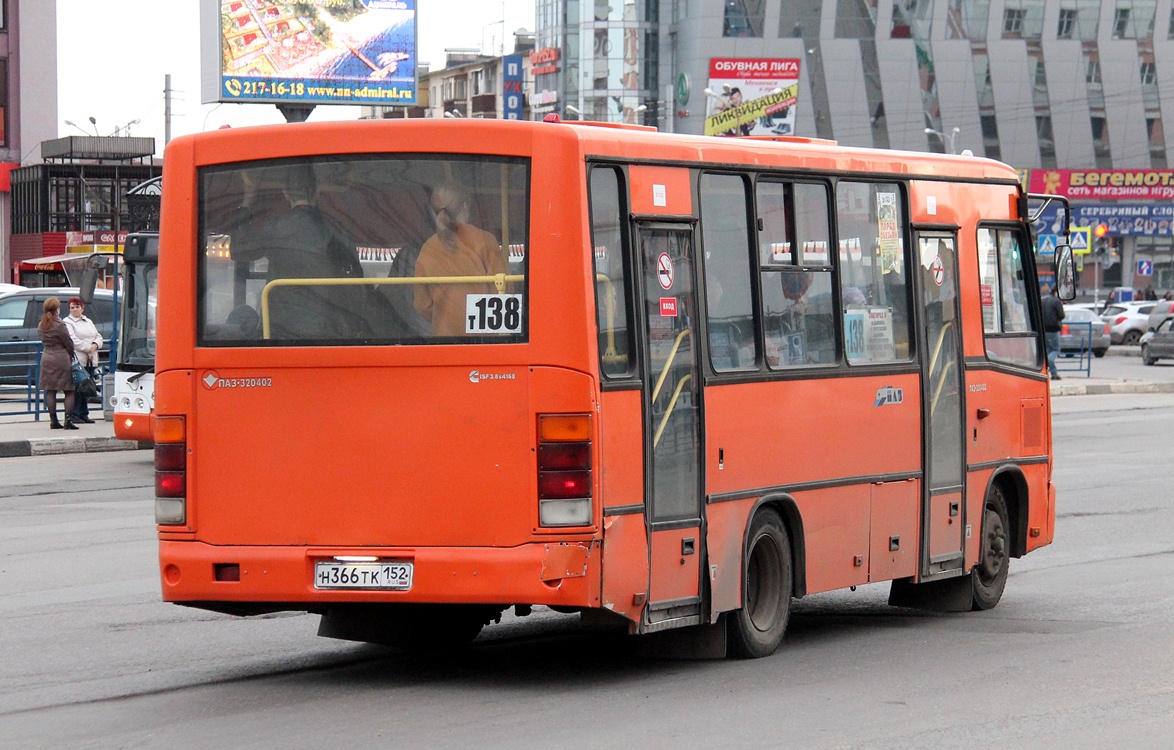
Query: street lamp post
{"points": [[572, 109], [947, 138]]}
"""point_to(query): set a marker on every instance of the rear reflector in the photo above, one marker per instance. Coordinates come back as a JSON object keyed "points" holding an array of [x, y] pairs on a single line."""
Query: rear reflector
{"points": [[562, 484], [230, 572], [563, 456], [170, 457]]}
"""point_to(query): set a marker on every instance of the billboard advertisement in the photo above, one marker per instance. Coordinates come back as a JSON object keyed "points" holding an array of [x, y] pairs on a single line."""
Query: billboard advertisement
{"points": [[309, 51], [1112, 184], [752, 96]]}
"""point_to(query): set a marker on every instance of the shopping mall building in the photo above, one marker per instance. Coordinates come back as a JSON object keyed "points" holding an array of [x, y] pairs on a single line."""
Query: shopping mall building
{"points": [[1072, 90]]}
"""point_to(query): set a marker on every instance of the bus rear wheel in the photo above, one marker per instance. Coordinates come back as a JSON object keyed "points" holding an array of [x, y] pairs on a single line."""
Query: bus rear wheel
{"points": [[757, 628], [989, 576]]}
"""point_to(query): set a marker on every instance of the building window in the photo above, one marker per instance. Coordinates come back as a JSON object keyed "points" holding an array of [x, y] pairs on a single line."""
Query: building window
{"points": [[1041, 76], [1092, 71], [1149, 74], [1013, 22], [1067, 25], [1122, 29], [1099, 129], [3, 100], [743, 18]]}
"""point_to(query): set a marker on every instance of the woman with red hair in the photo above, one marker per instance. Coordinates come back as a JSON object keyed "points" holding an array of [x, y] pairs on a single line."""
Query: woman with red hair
{"points": [[56, 371]]}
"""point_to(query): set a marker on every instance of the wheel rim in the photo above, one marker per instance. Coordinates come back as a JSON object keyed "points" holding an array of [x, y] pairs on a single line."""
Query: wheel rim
{"points": [[763, 583], [994, 548]]}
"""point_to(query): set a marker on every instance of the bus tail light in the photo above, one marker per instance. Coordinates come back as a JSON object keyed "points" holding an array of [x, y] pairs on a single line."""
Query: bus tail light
{"points": [[170, 471], [564, 470]]}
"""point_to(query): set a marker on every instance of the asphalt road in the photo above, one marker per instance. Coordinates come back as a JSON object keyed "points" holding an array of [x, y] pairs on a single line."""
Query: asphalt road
{"points": [[1080, 653]]}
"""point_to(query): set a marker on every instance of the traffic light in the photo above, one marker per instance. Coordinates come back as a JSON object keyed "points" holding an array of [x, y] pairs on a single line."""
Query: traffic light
{"points": [[1100, 232]]}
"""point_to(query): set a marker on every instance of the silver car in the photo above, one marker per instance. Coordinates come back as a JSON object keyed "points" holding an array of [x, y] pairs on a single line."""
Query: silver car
{"points": [[1158, 343], [1083, 328], [1128, 321]]}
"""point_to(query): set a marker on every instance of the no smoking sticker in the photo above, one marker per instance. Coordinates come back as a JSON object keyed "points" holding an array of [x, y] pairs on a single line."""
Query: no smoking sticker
{"points": [[664, 271], [938, 269]]}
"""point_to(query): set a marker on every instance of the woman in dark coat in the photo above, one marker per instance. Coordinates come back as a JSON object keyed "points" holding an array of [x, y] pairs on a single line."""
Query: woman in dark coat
{"points": [[56, 363]]}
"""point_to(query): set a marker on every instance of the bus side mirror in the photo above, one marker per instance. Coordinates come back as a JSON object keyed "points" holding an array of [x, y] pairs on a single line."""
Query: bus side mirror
{"points": [[1065, 274], [88, 284], [94, 271]]}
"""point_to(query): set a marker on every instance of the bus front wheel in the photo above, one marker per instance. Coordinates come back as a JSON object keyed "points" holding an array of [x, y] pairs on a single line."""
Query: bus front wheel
{"points": [[989, 576], [757, 628]]}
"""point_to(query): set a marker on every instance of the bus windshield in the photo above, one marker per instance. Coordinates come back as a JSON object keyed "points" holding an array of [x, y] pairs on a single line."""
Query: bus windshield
{"points": [[354, 250], [140, 303]]}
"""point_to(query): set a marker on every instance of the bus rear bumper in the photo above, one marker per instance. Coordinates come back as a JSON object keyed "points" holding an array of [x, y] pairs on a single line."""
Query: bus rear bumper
{"points": [[548, 573]]}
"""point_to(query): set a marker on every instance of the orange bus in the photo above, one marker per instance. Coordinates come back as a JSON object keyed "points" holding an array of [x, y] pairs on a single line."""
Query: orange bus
{"points": [[413, 374]]}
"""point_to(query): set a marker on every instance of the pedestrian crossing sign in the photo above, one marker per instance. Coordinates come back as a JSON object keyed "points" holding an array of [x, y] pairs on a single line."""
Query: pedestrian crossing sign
{"points": [[1081, 240], [1046, 245]]}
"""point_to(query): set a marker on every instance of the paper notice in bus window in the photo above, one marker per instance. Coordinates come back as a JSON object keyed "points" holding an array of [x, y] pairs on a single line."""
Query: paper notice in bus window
{"points": [[868, 334], [493, 313]]}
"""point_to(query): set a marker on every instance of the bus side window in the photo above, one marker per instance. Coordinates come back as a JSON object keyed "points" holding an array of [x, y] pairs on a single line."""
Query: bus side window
{"points": [[796, 274], [1006, 318], [874, 272], [611, 273], [725, 240]]}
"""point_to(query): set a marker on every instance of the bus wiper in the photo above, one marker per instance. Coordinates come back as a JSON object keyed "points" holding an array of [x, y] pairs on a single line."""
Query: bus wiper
{"points": [[134, 378]]}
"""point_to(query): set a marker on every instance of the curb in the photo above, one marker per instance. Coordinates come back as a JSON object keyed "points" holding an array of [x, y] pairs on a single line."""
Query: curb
{"points": [[1100, 389], [62, 445]]}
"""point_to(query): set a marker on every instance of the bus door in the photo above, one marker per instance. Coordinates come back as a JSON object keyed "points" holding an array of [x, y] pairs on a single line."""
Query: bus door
{"points": [[943, 509], [672, 425]]}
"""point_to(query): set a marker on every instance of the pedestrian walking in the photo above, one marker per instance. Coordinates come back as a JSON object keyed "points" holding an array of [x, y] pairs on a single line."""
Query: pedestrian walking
{"points": [[1053, 310]]}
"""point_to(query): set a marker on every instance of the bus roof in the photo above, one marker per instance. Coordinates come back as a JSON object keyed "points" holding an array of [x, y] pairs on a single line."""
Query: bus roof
{"points": [[603, 140]]}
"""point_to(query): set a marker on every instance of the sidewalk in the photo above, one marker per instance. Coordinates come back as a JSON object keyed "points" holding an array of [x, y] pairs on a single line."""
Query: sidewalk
{"points": [[21, 435]]}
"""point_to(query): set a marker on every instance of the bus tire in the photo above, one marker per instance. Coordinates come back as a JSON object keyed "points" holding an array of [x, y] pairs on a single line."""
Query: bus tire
{"points": [[989, 575], [757, 628]]}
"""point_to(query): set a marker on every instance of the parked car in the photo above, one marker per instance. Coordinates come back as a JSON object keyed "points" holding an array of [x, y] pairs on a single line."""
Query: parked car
{"points": [[6, 288], [1128, 321], [1075, 335], [1158, 343], [1163, 309], [1094, 307], [20, 313]]}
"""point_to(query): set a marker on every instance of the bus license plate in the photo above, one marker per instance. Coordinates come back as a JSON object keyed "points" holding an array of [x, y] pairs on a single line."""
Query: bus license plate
{"points": [[387, 575]]}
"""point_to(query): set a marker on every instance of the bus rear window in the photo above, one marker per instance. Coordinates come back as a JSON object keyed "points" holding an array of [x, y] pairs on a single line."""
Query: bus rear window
{"points": [[364, 250]]}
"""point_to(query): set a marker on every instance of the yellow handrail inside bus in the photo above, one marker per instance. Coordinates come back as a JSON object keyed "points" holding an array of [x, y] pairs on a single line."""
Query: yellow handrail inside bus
{"points": [[933, 406], [669, 362], [610, 356], [669, 411], [499, 280], [937, 350]]}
